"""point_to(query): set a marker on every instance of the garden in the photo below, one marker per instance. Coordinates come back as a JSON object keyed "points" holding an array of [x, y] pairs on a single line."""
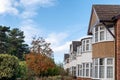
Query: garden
{"points": [[18, 61]]}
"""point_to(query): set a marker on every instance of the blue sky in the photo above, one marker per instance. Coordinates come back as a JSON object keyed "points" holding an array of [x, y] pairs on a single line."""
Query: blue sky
{"points": [[58, 21]]}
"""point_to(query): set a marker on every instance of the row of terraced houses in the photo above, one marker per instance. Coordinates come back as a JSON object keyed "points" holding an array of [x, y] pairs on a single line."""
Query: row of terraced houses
{"points": [[97, 56]]}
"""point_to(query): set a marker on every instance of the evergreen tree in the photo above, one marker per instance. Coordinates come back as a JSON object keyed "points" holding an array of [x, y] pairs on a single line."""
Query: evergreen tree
{"points": [[4, 39], [16, 43], [12, 42]]}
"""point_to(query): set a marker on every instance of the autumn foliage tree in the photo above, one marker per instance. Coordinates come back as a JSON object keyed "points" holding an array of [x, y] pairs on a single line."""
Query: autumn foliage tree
{"points": [[39, 60]]}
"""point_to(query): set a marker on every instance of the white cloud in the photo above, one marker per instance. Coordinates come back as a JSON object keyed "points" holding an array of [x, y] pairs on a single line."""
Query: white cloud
{"points": [[30, 30], [28, 14], [42, 3], [56, 38], [7, 6], [62, 48], [58, 43], [30, 7], [23, 8]]}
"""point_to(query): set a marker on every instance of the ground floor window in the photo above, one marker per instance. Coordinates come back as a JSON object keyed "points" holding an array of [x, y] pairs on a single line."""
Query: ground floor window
{"points": [[73, 70], [103, 68], [85, 70]]}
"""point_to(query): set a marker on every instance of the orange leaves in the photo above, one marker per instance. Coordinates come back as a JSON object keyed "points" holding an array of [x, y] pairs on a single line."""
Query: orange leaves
{"points": [[39, 63]]}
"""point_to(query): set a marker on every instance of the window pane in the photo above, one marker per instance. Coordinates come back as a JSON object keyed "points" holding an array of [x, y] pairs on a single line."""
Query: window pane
{"points": [[101, 73], [96, 29], [83, 72], [87, 41], [96, 61], [87, 46], [101, 61], [109, 72], [109, 61], [87, 72], [80, 72], [96, 36], [83, 65], [87, 65], [91, 70], [83, 45], [83, 69], [102, 35], [101, 27], [96, 71]]}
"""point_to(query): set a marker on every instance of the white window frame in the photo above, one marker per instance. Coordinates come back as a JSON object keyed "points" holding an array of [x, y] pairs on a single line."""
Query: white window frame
{"points": [[86, 43], [97, 33], [83, 70], [96, 63]]}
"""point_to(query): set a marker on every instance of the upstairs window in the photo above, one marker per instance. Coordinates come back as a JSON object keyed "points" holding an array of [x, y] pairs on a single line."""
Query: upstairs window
{"points": [[99, 33], [86, 45]]}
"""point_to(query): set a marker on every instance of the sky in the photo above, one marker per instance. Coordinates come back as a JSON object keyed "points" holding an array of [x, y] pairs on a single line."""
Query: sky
{"points": [[58, 21]]}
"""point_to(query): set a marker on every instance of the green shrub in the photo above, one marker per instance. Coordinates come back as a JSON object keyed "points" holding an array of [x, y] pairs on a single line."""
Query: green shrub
{"points": [[22, 70], [8, 67]]}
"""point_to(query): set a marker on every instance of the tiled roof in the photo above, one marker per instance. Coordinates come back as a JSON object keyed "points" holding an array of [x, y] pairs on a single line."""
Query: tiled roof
{"points": [[75, 45], [106, 12], [66, 56]]}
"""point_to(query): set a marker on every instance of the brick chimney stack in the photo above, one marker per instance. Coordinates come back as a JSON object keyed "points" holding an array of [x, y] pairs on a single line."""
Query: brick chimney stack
{"points": [[117, 49]]}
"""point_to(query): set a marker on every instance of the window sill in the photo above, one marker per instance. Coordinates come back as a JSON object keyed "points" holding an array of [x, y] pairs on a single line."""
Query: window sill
{"points": [[102, 41]]}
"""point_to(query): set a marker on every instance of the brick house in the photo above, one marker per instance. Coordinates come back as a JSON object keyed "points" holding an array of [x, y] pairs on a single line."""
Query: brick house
{"points": [[105, 46]]}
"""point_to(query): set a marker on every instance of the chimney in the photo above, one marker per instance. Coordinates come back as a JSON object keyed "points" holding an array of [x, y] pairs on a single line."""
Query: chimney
{"points": [[117, 48]]}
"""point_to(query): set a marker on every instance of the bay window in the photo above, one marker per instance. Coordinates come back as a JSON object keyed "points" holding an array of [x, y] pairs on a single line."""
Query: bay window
{"points": [[102, 66]]}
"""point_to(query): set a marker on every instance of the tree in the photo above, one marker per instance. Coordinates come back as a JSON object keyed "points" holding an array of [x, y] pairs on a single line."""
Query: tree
{"points": [[40, 60], [16, 43], [8, 67], [41, 46], [39, 63], [4, 39], [12, 42], [22, 70]]}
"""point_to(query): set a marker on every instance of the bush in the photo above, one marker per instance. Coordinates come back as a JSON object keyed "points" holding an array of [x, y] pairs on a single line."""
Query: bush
{"points": [[22, 70], [8, 67]]}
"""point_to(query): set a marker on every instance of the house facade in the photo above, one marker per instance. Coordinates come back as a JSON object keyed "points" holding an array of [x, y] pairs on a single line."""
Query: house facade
{"points": [[101, 60]]}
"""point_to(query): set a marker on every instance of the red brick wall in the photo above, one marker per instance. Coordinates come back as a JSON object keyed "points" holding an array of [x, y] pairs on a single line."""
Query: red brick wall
{"points": [[117, 51]]}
